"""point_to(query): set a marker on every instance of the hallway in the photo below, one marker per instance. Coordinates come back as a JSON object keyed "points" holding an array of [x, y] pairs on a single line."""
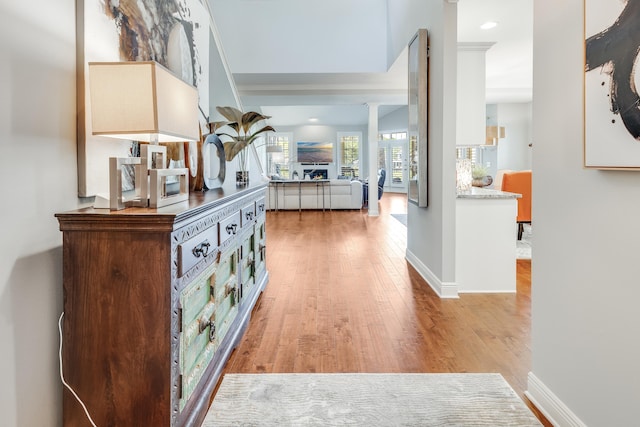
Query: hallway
{"points": [[342, 298]]}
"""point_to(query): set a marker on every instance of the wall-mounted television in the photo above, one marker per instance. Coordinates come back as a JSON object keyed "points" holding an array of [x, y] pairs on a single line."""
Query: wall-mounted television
{"points": [[315, 152]]}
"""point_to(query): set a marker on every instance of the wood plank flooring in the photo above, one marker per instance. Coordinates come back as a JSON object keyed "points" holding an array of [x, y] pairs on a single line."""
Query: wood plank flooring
{"points": [[342, 298]]}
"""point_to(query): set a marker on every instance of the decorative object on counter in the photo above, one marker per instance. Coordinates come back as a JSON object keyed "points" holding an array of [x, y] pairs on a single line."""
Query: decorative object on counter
{"points": [[237, 142], [463, 175], [480, 176], [142, 101]]}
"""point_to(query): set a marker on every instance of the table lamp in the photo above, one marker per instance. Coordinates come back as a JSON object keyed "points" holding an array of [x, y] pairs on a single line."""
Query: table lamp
{"points": [[143, 101]]}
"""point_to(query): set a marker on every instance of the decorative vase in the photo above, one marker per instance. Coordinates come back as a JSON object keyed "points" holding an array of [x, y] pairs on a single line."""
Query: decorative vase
{"points": [[242, 174], [482, 182], [463, 175], [242, 178], [195, 164]]}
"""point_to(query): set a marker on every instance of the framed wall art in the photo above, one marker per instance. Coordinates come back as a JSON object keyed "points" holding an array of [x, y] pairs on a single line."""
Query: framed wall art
{"points": [[174, 33], [611, 101], [418, 117]]}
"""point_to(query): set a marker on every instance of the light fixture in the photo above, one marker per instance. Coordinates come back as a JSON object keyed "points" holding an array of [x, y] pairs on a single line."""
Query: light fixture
{"points": [[143, 101], [488, 25], [313, 119]]}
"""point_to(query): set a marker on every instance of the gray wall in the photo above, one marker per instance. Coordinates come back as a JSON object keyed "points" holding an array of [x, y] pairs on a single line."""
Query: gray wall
{"points": [[301, 40], [513, 150], [38, 139], [432, 239], [395, 121], [585, 289]]}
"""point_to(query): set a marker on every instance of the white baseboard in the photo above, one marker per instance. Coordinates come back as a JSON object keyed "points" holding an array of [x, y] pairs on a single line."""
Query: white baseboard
{"points": [[443, 289], [549, 404]]}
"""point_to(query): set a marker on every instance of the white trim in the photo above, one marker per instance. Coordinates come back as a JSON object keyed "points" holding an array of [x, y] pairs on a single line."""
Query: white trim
{"points": [[443, 289], [549, 404]]}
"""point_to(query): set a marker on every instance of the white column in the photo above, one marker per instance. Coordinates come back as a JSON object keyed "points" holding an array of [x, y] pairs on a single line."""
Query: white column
{"points": [[471, 108], [373, 159]]}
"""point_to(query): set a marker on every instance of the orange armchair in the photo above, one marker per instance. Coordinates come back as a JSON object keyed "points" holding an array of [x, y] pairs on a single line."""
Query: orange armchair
{"points": [[520, 182]]}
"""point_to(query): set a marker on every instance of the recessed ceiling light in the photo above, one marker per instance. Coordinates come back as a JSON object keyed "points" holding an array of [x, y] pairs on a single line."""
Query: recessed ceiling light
{"points": [[488, 25], [313, 119]]}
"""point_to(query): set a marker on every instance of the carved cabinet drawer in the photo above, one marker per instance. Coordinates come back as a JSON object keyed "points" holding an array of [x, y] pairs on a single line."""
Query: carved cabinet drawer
{"points": [[197, 249], [247, 214], [229, 227], [261, 207]]}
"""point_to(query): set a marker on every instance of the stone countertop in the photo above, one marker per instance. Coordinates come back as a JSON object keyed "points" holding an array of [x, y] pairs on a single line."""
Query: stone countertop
{"points": [[486, 193]]}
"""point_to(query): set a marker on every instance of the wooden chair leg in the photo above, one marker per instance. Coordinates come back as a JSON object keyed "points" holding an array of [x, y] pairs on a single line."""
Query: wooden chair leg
{"points": [[520, 230]]}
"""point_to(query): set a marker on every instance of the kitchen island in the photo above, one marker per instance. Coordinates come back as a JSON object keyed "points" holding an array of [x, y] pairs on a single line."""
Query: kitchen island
{"points": [[486, 234]]}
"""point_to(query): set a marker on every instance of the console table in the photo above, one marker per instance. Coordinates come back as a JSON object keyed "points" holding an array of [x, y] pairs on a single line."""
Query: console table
{"points": [[319, 183], [155, 300]]}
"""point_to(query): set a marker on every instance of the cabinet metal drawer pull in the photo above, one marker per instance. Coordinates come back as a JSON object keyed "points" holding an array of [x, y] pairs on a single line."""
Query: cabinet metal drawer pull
{"points": [[212, 332], [231, 228], [203, 323], [249, 215], [202, 249], [261, 207]]}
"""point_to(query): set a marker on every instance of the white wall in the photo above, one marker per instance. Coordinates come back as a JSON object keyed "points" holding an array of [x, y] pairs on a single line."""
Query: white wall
{"points": [[585, 285], [37, 135], [513, 150], [431, 237], [404, 17], [395, 121], [300, 41]]}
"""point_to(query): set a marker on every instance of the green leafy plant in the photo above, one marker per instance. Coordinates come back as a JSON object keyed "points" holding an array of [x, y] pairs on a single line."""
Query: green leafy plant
{"points": [[479, 172], [242, 125]]}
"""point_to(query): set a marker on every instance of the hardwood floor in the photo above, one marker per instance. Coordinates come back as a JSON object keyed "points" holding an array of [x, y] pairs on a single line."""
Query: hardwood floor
{"points": [[342, 298]]}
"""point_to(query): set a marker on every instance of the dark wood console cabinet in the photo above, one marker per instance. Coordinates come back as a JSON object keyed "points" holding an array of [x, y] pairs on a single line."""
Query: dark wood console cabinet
{"points": [[155, 301]]}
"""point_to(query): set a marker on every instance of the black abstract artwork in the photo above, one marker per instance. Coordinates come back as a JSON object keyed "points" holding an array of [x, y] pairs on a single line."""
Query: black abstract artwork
{"points": [[614, 50]]}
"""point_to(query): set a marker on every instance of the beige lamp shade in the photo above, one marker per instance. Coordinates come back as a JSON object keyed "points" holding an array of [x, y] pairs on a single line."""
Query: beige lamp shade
{"points": [[142, 101]]}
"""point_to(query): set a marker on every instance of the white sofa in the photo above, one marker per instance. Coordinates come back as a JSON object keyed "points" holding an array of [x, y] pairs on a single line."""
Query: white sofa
{"points": [[338, 194]]}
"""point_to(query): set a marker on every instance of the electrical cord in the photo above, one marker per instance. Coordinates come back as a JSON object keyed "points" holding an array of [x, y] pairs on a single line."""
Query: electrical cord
{"points": [[62, 376]]}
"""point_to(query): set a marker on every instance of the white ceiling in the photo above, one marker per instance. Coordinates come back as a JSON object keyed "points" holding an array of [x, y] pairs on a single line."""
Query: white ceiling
{"points": [[339, 98]]}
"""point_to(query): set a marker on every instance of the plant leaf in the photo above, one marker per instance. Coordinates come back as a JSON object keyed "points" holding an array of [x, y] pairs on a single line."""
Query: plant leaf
{"points": [[213, 126], [232, 148], [230, 113]]}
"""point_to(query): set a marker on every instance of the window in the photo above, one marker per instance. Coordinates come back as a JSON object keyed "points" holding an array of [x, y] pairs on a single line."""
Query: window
{"points": [[278, 162], [466, 153], [349, 153], [390, 136]]}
